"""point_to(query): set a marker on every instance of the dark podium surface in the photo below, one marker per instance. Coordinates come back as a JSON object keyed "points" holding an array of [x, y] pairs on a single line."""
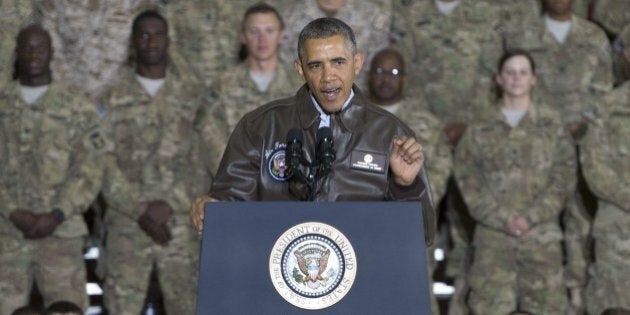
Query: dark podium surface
{"points": [[387, 237]]}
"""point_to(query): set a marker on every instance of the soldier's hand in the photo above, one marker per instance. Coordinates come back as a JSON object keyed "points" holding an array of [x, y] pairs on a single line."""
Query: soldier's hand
{"points": [[517, 227], [158, 211], [44, 226], [405, 160], [197, 208], [22, 219], [159, 233]]}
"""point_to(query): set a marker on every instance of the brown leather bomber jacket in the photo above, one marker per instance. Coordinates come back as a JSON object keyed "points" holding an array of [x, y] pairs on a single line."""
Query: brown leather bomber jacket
{"points": [[253, 165]]}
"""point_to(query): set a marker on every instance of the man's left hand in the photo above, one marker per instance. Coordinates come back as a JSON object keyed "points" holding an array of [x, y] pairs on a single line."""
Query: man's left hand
{"points": [[405, 160]]}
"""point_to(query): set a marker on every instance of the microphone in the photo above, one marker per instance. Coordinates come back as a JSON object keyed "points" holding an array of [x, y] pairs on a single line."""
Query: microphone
{"points": [[294, 151], [325, 153]]}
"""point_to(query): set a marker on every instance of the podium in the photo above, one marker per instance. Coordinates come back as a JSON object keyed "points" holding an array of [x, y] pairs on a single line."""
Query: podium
{"points": [[313, 258]]}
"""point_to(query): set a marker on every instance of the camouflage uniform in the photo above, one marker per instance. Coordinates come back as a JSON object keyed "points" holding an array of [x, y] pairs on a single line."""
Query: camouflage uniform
{"points": [[581, 8], [370, 25], [49, 158], [606, 163], [515, 14], [90, 38], [572, 75], [613, 15], [528, 171], [195, 36], [238, 93], [621, 64], [427, 128], [437, 153], [449, 55], [156, 155]]}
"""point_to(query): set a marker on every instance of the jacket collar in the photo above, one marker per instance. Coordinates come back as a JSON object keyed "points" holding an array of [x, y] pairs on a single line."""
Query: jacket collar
{"points": [[349, 119]]}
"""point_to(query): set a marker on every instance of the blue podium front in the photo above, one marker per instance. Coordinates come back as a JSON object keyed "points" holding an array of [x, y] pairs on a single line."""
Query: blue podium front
{"points": [[313, 258]]}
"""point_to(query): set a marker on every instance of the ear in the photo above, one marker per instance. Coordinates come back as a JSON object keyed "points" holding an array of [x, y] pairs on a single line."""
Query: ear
{"points": [[298, 67], [358, 59]]}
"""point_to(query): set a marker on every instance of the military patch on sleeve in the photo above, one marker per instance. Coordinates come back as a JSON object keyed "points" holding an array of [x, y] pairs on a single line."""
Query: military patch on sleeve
{"points": [[368, 161]]}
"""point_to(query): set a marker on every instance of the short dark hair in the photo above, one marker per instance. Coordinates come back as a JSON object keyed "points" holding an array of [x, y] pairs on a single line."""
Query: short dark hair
{"points": [[63, 307], [147, 14], [323, 28], [513, 53], [262, 8]]}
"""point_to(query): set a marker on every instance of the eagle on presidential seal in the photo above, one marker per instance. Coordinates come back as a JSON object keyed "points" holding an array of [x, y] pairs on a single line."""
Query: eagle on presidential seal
{"points": [[312, 267]]}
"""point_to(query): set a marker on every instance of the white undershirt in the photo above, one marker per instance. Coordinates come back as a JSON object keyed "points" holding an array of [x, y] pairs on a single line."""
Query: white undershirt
{"points": [[325, 118], [446, 8], [392, 108], [262, 80], [559, 29], [152, 86], [30, 94], [513, 116]]}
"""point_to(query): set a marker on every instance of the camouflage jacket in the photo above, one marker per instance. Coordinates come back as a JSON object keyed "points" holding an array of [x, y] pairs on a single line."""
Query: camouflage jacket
{"points": [[428, 131], [156, 151], [528, 170], [605, 155], [50, 156], [449, 56], [238, 94]]}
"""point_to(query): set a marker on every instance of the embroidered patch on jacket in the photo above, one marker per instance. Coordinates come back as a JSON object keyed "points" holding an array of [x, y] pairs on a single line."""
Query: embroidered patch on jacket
{"points": [[368, 161], [277, 166]]}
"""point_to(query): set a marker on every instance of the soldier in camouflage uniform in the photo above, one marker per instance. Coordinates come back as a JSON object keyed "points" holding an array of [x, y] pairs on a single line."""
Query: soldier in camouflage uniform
{"points": [[606, 163], [50, 172], [451, 57], [613, 15], [574, 72], [621, 56], [13, 15], [155, 166], [371, 25], [238, 91], [515, 169], [386, 81], [90, 39]]}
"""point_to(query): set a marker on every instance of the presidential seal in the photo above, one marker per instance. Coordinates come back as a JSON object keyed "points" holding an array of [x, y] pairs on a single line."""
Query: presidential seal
{"points": [[312, 265], [277, 166]]}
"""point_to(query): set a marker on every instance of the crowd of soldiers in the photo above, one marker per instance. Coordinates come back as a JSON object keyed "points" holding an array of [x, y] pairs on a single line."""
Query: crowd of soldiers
{"points": [[135, 102]]}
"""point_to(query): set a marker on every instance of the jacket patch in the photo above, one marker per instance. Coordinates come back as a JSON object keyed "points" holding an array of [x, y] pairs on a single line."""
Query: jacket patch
{"points": [[276, 165], [368, 161]]}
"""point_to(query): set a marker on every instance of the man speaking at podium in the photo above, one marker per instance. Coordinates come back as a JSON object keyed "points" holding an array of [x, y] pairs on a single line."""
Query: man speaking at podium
{"points": [[326, 143]]}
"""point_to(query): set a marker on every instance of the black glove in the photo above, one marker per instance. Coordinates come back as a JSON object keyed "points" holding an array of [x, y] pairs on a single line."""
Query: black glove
{"points": [[153, 221], [44, 226], [23, 220]]}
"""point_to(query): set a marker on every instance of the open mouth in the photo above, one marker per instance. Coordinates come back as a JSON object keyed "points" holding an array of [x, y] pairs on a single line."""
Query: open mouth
{"points": [[331, 94]]}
